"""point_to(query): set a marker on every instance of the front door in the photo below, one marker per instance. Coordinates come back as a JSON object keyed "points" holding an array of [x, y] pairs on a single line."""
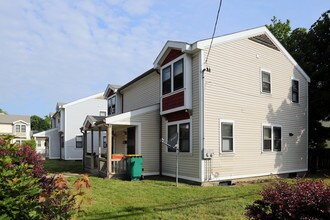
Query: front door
{"points": [[131, 140]]}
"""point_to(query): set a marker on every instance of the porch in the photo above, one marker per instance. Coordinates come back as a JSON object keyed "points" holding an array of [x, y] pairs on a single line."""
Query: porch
{"points": [[106, 156]]}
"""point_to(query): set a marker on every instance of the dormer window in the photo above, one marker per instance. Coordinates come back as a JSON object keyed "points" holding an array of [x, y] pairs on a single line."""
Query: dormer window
{"points": [[112, 105], [173, 71]]}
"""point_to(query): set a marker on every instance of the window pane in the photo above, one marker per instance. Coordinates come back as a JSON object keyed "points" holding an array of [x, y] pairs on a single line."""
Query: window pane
{"points": [[79, 141], [295, 91], [277, 138], [18, 128], [166, 80], [267, 133], [104, 141], [171, 131], [227, 130], [23, 128], [184, 141], [178, 74], [113, 105], [266, 82], [227, 144], [267, 145]]}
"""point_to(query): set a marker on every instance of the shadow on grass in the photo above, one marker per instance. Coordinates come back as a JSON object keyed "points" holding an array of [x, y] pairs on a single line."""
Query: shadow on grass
{"points": [[63, 166], [136, 211]]}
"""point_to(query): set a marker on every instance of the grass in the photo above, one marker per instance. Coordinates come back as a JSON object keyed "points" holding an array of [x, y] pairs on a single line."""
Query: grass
{"points": [[158, 198]]}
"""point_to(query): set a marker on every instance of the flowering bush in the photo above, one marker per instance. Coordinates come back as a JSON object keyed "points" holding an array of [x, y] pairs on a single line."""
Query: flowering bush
{"points": [[303, 199], [27, 193]]}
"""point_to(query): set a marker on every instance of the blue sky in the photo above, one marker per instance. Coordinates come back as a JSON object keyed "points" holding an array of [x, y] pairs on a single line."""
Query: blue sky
{"points": [[61, 50]]}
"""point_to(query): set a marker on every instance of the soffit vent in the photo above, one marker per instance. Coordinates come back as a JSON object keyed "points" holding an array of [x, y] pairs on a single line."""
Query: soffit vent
{"points": [[264, 40]]}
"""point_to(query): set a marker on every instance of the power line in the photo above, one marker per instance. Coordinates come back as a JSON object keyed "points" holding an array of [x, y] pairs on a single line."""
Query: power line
{"points": [[214, 29]]}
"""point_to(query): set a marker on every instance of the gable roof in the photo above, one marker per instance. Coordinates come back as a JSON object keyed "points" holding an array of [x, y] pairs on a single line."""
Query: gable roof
{"points": [[254, 33], [10, 119], [111, 87], [90, 120], [98, 95]]}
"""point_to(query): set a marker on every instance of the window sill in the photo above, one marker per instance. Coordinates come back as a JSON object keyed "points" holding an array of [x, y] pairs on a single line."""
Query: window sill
{"points": [[271, 152], [173, 93], [227, 154], [184, 154]]}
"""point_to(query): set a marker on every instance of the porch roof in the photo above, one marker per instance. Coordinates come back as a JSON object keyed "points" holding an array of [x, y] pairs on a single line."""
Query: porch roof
{"points": [[92, 120]]}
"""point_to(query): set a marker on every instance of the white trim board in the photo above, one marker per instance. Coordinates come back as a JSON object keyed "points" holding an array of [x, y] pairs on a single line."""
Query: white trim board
{"points": [[83, 99], [117, 118]]}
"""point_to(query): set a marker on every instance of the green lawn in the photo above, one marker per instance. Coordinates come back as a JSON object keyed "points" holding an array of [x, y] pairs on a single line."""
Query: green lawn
{"points": [[158, 198]]}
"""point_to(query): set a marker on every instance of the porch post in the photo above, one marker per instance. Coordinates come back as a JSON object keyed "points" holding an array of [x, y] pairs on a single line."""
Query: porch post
{"points": [[100, 148], [109, 149], [92, 148], [84, 148]]}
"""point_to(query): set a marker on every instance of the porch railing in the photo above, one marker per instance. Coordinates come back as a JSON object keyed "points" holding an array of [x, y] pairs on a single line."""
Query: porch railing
{"points": [[118, 166]]}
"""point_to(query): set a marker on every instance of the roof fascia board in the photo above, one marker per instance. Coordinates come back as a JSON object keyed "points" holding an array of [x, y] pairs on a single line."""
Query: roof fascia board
{"points": [[118, 118], [245, 34], [183, 46], [14, 122], [83, 99]]}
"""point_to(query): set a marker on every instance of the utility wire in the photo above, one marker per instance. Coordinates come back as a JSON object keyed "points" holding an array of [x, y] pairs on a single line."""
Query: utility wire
{"points": [[214, 29]]}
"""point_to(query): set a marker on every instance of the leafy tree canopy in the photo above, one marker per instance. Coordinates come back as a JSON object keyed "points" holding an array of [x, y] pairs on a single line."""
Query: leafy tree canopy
{"points": [[2, 111], [311, 49], [40, 124]]}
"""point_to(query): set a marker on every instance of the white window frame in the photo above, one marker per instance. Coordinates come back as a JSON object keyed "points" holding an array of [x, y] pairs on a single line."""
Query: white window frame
{"points": [[104, 141], [293, 78], [220, 136], [105, 113], [271, 81], [183, 56], [22, 129], [177, 128], [272, 139], [19, 128], [82, 141]]}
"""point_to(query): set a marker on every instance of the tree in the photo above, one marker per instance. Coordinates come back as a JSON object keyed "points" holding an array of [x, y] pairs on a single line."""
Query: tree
{"points": [[39, 124], [2, 111], [311, 49]]}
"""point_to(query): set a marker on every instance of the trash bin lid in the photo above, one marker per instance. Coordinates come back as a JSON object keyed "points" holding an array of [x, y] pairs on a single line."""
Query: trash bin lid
{"points": [[133, 155]]}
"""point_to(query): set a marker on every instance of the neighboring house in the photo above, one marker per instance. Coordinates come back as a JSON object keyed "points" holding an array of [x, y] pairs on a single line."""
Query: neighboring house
{"points": [[64, 140], [17, 125], [240, 111]]}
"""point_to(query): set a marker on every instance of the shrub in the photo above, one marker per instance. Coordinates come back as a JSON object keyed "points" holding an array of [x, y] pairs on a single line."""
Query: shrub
{"points": [[31, 143], [303, 199], [27, 193], [19, 190]]}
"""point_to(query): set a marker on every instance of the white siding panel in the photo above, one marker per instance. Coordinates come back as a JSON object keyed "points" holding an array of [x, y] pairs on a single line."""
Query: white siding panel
{"points": [[232, 91]]}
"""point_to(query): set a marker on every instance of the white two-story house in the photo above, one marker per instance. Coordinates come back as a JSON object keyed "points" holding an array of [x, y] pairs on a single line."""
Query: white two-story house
{"points": [[64, 140]]}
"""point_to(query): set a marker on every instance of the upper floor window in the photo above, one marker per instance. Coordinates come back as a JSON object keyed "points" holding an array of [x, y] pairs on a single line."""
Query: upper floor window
{"points": [[173, 77], [18, 128], [295, 91], [103, 113], [183, 129], [23, 128], [266, 82], [227, 136], [112, 105], [272, 138]]}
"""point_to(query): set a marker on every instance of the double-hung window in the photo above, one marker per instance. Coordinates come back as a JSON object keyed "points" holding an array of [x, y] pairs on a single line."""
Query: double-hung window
{"points": [[112, 105], [79, 141], [272, 138], [266, 82], [227, 136], [23, 128], [183, 129], [295, 91], [173, 77], [18, 128]]}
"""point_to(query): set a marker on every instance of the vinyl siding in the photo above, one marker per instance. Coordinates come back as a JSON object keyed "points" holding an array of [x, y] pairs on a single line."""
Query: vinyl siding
{"points": [[142, 93], [6, 129], [189, 163], [149, 125], [74, 119], [232, 92]]}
